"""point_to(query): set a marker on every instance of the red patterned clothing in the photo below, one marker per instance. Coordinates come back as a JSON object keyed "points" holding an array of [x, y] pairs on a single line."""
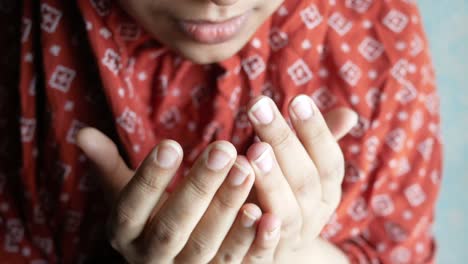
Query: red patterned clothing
{"points": [[86, 63]]}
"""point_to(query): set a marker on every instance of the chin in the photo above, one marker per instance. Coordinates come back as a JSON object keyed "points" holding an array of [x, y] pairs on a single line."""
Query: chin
{"points": [[208, 54]]}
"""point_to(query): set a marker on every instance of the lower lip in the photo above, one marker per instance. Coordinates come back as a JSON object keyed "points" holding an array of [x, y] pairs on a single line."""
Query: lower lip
{"points": [[213, 33]]}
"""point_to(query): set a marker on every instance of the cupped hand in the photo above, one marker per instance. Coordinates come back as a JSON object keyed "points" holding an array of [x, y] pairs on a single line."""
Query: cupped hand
{"points": [[204, 219], [298, 176]]}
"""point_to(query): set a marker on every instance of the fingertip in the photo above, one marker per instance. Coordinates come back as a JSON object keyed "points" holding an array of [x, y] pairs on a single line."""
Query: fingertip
{"points": [[301, 97], [104, 155], [226, 146], [261, 158], [270, 221], [244, 164], [352, 119], [242, 160], [98, 148], [90, 139], [250, 215], [272, 233], [352, 116], [174, 144], [253, 209], [257, 99], [83, 136], [256, 150], [269, 229], [341, 121]]}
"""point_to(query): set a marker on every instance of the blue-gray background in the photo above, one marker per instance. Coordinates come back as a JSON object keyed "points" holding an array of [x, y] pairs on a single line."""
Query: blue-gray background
{"points": [[447, 28]]}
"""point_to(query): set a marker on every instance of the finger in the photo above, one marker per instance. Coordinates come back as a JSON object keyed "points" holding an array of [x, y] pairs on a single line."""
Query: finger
{"points": [[322, 147], [114, 173], [273, 129], [340, 121], [210, 232], [240, 237], [273, 192], [168, 232], [140, 196], [266, 241]]}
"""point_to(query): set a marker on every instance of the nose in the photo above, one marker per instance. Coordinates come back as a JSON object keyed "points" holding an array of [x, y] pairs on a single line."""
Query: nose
{"points": [[224, 2]]}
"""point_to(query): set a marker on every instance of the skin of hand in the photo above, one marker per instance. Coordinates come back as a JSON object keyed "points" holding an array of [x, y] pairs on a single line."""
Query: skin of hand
{"points": [[298, 176], [205, 218]]}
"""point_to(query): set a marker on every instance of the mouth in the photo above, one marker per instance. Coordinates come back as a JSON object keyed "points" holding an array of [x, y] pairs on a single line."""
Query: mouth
{"points": [[213, 32]]}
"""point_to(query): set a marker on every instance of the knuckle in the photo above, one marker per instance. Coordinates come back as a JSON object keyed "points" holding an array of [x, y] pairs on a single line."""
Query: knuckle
{"points": [[317, 134], [163, 234], [202, 247], [259, 257], [335, 169], [308, 186], [228, 258], [120, 220], [281, 139], [240, 239], [225, 201], [199, 187], [148, 182], [331, 195], [264, 248], [304, 187]]}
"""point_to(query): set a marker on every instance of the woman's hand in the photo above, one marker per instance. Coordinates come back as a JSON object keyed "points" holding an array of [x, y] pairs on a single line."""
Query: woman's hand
{"points": [[298, 178], [198, 222]]}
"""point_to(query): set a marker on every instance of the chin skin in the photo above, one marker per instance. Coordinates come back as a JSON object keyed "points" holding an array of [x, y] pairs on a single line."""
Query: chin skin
{"points": [[207, 55], [204, 54]]}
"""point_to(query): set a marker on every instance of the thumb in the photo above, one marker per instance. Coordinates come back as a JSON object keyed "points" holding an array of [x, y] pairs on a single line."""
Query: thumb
{"points": [[340, 121], [113, 172]]}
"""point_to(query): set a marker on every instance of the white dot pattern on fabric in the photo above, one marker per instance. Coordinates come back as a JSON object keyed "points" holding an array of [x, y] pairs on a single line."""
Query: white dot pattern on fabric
{"points": [[367, 55]]}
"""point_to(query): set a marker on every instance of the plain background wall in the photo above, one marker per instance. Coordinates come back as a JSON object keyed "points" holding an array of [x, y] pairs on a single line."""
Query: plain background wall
{"points": [[447, 29]]}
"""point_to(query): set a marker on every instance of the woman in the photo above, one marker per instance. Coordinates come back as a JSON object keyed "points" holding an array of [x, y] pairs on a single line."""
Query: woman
{"points": [[143, 72]]}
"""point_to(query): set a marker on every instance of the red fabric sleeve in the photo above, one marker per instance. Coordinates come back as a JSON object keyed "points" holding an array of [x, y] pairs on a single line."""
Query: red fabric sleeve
{"points": [[394, 171], [399, 198]]}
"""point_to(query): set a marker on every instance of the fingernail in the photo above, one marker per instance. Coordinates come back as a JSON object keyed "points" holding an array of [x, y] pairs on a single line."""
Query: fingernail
{"points": [[262, 112], [265, 161], [238, 174], [302, 107], [167, 155], [272, 234], [218, 159], [249, 218]]}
